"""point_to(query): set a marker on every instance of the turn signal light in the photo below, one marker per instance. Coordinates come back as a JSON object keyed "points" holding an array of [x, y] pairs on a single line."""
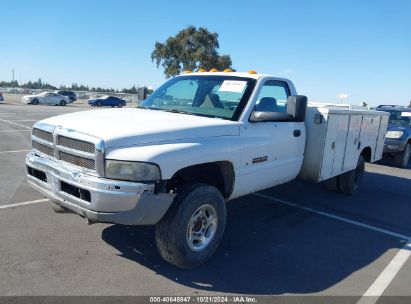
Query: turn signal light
{"points": [[188, 71]]}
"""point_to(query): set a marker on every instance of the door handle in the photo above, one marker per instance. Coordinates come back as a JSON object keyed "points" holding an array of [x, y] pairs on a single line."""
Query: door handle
{"points": [[297, 133]]}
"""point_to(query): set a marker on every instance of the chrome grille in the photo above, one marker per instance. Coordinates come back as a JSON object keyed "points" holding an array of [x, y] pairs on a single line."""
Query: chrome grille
{"points": [[44, 135], [42, 148], [75, 144], [80, 151], [78, 160]]}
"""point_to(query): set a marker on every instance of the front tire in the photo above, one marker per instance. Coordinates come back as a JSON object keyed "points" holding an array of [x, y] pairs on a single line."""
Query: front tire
{"points": [[99, 104], [351, 180], [401, 160], [190, 232], [63, 103], [35, 102]]}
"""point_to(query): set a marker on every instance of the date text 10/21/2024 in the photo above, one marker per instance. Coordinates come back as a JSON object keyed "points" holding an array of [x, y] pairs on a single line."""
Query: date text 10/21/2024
{"points": [[203, 299]]}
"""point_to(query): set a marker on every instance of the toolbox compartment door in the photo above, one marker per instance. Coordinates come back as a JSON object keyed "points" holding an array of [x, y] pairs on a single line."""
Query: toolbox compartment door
{"points": [[353, 141], [334, 147]]}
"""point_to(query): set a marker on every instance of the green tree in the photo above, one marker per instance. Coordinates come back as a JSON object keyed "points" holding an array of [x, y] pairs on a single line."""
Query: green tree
{"points": [[190, 49]]}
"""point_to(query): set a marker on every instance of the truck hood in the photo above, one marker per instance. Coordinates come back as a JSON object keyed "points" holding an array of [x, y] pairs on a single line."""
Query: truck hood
{"points": [[132, 126]]}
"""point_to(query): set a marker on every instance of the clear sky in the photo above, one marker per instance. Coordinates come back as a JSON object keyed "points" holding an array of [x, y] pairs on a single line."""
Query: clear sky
{"points": [[361, 48]]}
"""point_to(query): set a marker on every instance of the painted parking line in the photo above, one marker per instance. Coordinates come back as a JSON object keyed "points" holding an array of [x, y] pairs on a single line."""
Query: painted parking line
{"points": [[375, 291], [15, 151], [8, 131], [385, 278], [14, 123], [336, 217], [24, 203]]}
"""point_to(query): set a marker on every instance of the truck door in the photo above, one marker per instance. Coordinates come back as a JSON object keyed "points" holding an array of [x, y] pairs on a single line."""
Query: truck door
{"points": [[271, 152]]}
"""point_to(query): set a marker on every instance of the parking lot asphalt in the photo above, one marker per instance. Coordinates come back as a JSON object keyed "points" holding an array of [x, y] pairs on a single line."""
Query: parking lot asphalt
{"points": [[294, 239]]}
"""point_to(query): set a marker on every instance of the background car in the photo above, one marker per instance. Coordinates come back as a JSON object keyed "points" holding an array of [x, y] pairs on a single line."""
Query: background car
{"points": [[70, 94], [49, 98], [1, 96], [107, 100], [398, 137]]}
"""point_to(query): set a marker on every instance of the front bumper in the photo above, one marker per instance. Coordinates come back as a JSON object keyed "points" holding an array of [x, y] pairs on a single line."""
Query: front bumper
{"points": [[393, 145], [95, 198]]}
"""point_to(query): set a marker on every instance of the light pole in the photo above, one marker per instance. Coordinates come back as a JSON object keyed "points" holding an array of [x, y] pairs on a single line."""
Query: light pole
{"points": [[342, 96]]}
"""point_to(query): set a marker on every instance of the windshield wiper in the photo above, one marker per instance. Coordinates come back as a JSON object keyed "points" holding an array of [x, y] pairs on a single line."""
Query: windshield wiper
{"points": [[177, 111]]}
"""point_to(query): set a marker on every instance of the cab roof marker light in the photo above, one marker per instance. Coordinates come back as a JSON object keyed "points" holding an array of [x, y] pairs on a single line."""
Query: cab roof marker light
{"points": [[252, 72], [213, 70], [201, 70], [188, 72], [227, 71]]}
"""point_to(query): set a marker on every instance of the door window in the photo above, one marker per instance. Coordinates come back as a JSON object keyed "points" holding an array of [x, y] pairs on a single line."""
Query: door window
{"points": [[273, 97]]}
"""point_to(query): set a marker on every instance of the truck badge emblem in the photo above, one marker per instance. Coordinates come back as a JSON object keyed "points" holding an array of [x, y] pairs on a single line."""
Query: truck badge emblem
{"points": [[260, 159]]}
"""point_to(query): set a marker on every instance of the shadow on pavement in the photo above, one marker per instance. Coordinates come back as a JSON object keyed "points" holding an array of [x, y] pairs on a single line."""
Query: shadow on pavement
{"points": [[272, 249]]}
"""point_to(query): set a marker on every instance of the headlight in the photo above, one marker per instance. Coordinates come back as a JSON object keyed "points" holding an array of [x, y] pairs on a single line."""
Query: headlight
{"points": [[394, 134], [132, 171]]}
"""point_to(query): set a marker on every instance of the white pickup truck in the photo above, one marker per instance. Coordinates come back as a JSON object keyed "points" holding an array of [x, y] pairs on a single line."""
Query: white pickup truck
{"points": [[197, 142]]}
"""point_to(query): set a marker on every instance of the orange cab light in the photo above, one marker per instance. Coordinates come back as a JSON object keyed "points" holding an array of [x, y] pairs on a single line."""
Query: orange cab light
{"points": [[202, 70], [227, 71], [252, 72], [213, 70], [188, 71]]}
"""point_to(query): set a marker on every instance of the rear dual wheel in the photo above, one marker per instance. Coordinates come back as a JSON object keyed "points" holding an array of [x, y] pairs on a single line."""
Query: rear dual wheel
{"points": [[351, 180], [348, 182]]}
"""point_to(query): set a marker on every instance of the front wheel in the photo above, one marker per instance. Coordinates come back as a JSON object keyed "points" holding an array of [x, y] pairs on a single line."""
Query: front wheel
{"points": [[63, 103], [402, 159], [35, 101], [349, 182], [190, 232]]}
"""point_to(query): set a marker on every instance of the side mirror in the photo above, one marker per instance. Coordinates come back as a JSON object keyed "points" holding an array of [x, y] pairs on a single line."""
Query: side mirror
{"points": [[297, 107]]}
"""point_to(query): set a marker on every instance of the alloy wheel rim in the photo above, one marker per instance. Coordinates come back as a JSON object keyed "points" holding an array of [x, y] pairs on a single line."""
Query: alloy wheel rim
{"points": [[202, 227]]}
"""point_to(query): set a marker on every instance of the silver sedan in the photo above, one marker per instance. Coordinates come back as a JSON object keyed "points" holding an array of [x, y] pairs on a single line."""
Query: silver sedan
{"points": [[49, 98]]}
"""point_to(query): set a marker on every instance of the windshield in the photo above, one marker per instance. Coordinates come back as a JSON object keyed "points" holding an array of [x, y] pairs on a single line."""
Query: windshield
{"points": [[212, 96], [398, 117]]}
